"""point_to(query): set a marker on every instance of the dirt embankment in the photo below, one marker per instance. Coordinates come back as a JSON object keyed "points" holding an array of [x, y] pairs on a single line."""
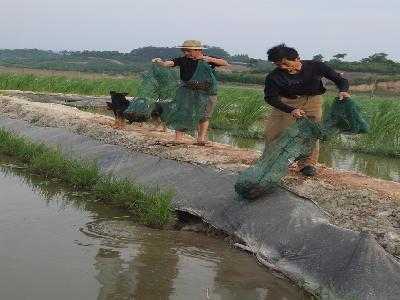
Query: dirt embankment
{"points": [[386, 86], [351, 200]]}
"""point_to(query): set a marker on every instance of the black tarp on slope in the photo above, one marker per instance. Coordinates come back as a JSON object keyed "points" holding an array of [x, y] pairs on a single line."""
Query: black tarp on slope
{"points": [[285, 231]]}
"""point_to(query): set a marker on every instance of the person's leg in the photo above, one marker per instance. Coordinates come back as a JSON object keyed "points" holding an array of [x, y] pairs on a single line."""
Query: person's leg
{"points": [[202, 131], [275, 123], [178, 135], [204, 122], [313, 110]]}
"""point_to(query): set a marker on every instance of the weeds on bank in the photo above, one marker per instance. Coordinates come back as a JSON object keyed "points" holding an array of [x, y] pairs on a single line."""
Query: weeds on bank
{"points": [[152, 207], [239, 110], [384, 133], [59, 84], [382, 115]]}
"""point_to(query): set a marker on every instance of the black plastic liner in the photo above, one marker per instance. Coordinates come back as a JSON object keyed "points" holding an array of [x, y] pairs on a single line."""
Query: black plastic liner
{"points": [[286, 232]]}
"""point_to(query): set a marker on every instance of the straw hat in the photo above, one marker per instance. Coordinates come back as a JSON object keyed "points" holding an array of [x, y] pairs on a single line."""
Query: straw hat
{"points": [[192, 45]]}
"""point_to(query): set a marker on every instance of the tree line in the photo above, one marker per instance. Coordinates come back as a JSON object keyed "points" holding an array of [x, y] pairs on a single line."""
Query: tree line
{"points": [[138, 61]]}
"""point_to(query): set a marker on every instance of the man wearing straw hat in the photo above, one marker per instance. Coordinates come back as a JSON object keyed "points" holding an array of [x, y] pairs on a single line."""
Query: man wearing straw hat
{"points": [[189, 65]]}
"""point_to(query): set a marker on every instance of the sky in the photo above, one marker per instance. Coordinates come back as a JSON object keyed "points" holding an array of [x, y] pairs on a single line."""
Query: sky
{"points": [[357, 27]]}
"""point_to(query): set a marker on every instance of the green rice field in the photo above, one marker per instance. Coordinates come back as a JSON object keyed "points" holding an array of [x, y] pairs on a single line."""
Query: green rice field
{"points": [[240, 109]]}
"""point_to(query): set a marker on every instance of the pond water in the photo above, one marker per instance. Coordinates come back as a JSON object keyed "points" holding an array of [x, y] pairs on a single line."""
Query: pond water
{"points": [[56, 245], [372, 165]]}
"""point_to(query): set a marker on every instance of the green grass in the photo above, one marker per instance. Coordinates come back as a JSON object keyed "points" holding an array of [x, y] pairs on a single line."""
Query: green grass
{"points": [[240, 109], [60, 84], [383, 117], [151, 207]]}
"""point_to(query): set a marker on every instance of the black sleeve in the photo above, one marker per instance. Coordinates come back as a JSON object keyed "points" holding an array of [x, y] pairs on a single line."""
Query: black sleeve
{"points": [[272, 97], [178, 61], [327, 72]]}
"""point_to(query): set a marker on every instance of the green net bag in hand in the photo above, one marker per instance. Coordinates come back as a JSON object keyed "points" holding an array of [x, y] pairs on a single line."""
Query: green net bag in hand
{"points": [[157, 86], [192, 97], [158, 83], [139, 110], [343, 116], [296, 143], [264, 176]]}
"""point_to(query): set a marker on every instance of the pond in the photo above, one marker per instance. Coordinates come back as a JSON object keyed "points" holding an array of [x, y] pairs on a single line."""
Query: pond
{"points": [[387, 168], [56, 245]]}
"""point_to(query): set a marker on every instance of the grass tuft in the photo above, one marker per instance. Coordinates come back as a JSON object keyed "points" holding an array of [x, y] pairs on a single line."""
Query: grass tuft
{"points": [[152, 207], [60, 84]]}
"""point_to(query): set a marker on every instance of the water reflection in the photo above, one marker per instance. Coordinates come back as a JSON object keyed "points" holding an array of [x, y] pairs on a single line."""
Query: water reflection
{"points": [[372, 165], [376, 166], [94, 252], [154, 264]]}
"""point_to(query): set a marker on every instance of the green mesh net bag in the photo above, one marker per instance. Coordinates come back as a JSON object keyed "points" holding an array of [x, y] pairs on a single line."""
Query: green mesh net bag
{"points": [[159, 83], [157, 88], [296, 143], [139, 110], [343, 116], [189, 105], [264, 176], [181, 106]]}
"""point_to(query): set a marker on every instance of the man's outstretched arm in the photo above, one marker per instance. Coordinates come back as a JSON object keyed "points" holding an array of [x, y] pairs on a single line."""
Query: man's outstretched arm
{"points": [[341, 83], [218, 62]]}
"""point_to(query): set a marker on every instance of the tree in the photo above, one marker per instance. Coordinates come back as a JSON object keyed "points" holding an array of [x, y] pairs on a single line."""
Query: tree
{"points": [[340, 55], [318, 57], [217, 52], [377, 58], [244, 58]]}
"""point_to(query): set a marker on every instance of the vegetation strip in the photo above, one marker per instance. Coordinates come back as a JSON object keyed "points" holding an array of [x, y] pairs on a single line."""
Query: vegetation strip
{"points": [[61, 84], [151, 207], [239, 110]]}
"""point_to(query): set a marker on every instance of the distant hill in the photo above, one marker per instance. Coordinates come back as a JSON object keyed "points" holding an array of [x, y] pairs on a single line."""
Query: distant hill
{"points": [[244, 68], [112, 62]]}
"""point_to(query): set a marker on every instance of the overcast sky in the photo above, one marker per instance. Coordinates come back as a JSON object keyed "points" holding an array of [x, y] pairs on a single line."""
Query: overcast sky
{"points": [[356, 27]]}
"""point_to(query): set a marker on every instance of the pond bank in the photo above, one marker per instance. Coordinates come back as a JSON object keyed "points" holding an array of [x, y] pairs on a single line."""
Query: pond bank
{"points": [[150, 207], [375, 207]]}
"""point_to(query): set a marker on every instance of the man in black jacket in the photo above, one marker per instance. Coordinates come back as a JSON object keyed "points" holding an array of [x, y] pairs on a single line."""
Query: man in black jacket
{"points": [[294, 89]]}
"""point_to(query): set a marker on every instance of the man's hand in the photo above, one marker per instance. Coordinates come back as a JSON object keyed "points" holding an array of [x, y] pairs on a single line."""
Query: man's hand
{"points": [[206, 58], [156, 60], [343, 95], [298, 113]]}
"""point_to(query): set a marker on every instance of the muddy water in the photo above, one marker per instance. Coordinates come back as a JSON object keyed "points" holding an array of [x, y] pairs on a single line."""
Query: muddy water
{"points": [[54, 245], [372, 165]]}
